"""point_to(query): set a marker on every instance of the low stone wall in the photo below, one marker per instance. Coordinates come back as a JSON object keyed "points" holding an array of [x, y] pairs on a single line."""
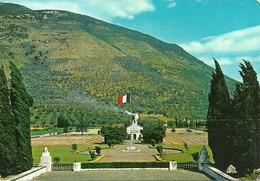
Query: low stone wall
{"points": [[30, 174], [215, 173]]}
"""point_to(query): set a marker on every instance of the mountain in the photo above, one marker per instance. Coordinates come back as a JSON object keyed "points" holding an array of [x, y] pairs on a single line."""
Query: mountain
{"points": [[76, 66]]}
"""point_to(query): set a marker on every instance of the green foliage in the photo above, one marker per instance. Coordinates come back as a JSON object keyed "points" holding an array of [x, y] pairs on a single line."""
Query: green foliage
{"points": [[186, 146], [7, 127], [113, 134], [195, 156], [62, 122], [82, 125], [66, 154], [98, 150], [233, 125], [125, 165], [21, 101], [152, 142], [153, 129], [15, 144], [74, 147], [92, 155], [159, 148], [218, 119], [245, 136], [56, 160], [154, 70]]}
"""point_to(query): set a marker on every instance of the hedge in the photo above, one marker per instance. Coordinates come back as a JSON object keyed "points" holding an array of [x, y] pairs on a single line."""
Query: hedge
{"points": [[125, 165]]}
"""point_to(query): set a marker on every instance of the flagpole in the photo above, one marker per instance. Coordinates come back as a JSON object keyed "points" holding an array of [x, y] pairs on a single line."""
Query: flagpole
{"points": [[131, 134]]}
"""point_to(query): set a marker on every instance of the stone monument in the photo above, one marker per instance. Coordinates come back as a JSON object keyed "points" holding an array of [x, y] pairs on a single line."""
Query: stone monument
{"points": [[46, 159], [173, 165], [204, 157]]}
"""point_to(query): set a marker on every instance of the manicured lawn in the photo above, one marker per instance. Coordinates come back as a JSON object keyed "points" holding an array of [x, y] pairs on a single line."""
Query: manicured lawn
{"points": [[46, 131], [66, 154], [186, 155]]}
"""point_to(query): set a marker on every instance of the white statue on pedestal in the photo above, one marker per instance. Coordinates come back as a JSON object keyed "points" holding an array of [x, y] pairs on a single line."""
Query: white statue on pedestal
{"points": [[204, 157], [46, 159]]}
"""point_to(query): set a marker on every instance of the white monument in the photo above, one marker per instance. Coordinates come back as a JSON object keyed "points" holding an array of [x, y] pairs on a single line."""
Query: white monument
{"points": [[204, 157], [46, 160], [134, 130]]}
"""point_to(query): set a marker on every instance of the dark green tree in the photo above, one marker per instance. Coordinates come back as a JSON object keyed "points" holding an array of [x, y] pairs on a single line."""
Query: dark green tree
{"points": [[83, 125], [246, 116], [218, 117], [113, 132], [7, 127], [153, 130], [21, 101]]}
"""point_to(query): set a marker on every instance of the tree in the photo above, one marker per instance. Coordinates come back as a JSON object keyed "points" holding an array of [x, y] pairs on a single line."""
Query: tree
{"points": [[20, 106], [218, 116], [153, 130], [74, 147], [7, 127], [246, 116], [113, 132], [83, 125]]}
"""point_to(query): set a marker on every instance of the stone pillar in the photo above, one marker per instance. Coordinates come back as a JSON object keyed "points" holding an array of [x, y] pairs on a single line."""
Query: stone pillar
{"points": [[204, 158], [46, 160], [76, 166], [173, 165]]}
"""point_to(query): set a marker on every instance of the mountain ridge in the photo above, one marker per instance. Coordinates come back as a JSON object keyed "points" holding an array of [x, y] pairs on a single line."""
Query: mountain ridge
{"points": [[60, 53]]}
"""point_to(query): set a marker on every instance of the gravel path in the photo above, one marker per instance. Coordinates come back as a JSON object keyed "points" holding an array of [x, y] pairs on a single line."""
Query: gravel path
{"points": [[119, 154]]}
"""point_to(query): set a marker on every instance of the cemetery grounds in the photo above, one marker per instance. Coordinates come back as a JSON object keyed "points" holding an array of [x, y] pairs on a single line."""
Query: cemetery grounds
{"points": [[60, 145]]}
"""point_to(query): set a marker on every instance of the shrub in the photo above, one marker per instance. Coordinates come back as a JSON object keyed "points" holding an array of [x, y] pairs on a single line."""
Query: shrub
{"points": [[186, 146], [56, 160], [98, 149], [74, 147], [153, 142], [92, 155], [159, 148], [195, 156]]}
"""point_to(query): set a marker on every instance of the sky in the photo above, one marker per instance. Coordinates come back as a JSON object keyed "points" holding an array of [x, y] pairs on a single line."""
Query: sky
{"points": [[228, 30]]}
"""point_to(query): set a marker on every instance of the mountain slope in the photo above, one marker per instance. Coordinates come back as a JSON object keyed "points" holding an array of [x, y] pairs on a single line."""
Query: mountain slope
{"points": [[77, 66]]}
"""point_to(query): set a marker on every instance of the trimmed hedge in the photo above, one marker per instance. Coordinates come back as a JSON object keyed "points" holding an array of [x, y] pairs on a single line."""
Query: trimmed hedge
{"points": [[125, 165]]}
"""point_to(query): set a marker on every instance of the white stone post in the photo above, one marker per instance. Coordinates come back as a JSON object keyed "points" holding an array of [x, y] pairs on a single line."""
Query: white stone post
{"points": [[204, 158], [76, 166], [173, 165], [46, 160]]}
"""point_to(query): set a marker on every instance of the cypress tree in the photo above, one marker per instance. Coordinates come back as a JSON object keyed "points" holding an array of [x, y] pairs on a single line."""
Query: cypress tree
{"points": [[218, 116], [246, 121], [20, 104], [7, 137]]}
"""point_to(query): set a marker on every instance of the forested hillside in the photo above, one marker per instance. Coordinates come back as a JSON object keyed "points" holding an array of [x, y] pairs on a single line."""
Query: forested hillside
{"points": [[77, 66]]}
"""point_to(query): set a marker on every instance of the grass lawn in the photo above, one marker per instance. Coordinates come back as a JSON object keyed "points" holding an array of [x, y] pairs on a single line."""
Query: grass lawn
{"points": [[186, 155], [46, 131], [66, 154]]}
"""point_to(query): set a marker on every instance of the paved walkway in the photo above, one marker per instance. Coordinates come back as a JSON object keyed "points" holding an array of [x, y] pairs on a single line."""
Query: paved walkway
{"points": [[123, 175], [119, 154]]}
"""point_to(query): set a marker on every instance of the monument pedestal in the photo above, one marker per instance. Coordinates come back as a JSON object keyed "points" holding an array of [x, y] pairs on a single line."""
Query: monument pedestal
{"points": [[131, 148], [46, 160]]}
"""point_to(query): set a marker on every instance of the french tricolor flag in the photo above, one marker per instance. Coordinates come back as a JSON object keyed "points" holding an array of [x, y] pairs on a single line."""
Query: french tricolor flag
{"points": [[124, 99]]}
